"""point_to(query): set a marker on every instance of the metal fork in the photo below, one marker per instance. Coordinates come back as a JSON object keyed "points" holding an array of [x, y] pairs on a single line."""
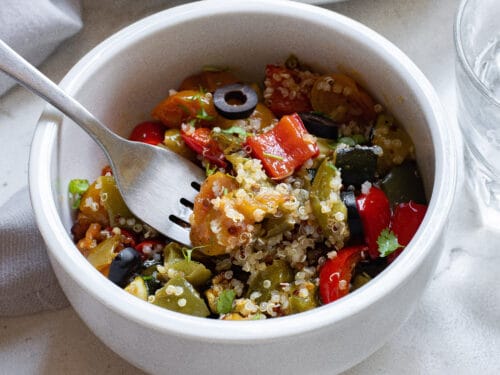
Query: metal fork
{"points": [[157, 185]]}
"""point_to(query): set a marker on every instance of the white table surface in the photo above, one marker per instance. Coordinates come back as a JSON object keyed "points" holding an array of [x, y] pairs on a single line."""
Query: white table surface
{"points": [[456, 327]]}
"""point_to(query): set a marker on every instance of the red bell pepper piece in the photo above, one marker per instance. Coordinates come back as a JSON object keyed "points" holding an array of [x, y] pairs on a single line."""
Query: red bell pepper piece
{"points": [[405, 222], [201, 142], [336, 273], [148, 132], [149, 244], [280, 102], [284, 148], [375, 212]]}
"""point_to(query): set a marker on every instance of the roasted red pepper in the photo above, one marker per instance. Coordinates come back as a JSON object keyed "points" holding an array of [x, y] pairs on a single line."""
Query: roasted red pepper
{"points": [[148, 132], [375, 212], [151, 244], [284, 148], [405, 222], [281, 101], [336, 273], [201, 142]]}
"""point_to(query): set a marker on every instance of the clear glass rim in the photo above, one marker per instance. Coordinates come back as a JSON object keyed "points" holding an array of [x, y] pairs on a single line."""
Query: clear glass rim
{"points": [[480, 86]]}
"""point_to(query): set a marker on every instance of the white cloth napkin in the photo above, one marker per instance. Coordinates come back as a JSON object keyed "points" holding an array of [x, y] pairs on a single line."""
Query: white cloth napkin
{"points": [[27, 284], [35, 28]]}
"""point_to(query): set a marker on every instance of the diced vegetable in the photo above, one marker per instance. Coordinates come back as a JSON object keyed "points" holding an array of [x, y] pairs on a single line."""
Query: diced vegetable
{"points": [[104, 253], [357, 164], [285, 99], [112, 200], [375, 212], [201, 142], [395, 142], [179, 295], [148, 132], [138, 288], [204, 214], [270, 279], [403, 184], [284, 148], [173, 140], [303, 297], [185, 106], [327, 205], [208, 80], [320, 125], [342, 99], [335, 275], [406, 219]]}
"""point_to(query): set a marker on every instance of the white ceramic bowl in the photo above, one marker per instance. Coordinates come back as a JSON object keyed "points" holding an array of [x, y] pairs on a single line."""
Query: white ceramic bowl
{"points": [[126, 75]]}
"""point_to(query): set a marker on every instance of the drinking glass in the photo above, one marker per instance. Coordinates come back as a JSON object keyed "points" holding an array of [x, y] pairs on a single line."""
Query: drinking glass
{"points": [[477, 42]]}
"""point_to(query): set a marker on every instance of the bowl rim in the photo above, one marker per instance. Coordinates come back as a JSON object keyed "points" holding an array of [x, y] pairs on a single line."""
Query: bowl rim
{"points": [[210, 330]]}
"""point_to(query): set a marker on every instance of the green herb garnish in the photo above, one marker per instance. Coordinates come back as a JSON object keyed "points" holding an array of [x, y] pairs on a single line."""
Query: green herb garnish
{"points": [[266, 154], [209, 170], [236, 130], [77, 188], [225, 301], [387, 243], [203, 115]]}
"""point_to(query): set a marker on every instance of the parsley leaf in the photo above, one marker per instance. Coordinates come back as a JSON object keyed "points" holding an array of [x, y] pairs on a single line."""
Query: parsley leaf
{"points": [[77, 188], [225, 301], [387, 242]]}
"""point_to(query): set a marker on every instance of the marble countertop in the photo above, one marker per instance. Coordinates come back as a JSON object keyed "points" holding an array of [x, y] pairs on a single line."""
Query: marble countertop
{"points": [[455, 328]]}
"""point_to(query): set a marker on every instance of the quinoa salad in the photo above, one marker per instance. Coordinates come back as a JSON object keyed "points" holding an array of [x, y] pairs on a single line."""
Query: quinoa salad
{"points": [[311, 190]]}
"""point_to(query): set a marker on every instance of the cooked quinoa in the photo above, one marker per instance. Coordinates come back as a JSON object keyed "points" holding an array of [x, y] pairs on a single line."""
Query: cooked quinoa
{"points": [[273, 229]]}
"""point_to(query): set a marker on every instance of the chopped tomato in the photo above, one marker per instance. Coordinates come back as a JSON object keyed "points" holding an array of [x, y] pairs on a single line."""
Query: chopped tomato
{"points": [[284, 148], [185, 106], [405, 222], [201, 142], [375, 212], [148, 132], [335, 275], [281, 100]]}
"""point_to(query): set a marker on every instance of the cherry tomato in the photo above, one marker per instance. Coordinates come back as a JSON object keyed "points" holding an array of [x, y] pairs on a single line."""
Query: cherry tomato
{"points": [[336, 273], [201, 142], [375, 212], [148, 132], [280, 101], [405, 222]]}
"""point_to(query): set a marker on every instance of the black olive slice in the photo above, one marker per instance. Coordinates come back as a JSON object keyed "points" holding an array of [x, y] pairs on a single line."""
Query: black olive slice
{"points": [[235, 101], [124, 265], [353, 218], [319, 125]]}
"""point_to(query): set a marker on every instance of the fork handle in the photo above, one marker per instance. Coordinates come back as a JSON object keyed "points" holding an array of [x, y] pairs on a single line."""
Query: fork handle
{"points": [[30, 77]]}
